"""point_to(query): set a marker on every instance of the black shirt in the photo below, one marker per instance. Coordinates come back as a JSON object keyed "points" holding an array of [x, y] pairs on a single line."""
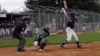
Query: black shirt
{"points": [[71, 23], [2, 26], [7, 25], [72, 19], [19, 28]]}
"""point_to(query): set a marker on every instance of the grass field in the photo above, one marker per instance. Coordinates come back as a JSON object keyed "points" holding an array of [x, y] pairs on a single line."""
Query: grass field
{"points": [[84, 38]]}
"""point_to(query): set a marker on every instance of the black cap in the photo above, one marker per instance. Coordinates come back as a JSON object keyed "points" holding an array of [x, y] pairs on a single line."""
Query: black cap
{"points": [[24, 19]]}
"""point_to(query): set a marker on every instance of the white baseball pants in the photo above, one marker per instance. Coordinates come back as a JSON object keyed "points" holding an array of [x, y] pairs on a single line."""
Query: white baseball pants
{"points": [[71, 33]]}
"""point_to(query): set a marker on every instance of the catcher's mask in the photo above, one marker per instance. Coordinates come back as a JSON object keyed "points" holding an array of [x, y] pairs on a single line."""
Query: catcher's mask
{"points": [[46, 29]]}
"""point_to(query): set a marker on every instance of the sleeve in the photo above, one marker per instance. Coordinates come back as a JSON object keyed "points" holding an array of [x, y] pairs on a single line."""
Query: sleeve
{"points": [[43, 35]]}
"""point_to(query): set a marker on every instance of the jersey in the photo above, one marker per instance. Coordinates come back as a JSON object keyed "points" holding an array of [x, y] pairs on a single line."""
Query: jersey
{"points": [[71, 24], [43, 34], [72, 20], [20, 28]]}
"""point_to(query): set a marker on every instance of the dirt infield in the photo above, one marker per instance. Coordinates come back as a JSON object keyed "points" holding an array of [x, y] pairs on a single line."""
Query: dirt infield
{"points": [[88, 49]]}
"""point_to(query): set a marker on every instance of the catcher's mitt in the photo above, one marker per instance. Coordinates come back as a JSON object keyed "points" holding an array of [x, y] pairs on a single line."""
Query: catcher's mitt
{"points": [[60, 32]]}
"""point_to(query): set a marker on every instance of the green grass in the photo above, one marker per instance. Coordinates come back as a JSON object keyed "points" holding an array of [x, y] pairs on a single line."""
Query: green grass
{"points": [[86, 37]]}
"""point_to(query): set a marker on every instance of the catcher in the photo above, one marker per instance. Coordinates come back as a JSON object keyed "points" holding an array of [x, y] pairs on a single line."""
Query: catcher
{"points": [[42, 38]]}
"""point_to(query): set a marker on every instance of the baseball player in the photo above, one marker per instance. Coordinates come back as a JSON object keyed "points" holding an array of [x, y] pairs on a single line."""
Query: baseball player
{"points": [[70, 30], [19, 34], [42, 38]]}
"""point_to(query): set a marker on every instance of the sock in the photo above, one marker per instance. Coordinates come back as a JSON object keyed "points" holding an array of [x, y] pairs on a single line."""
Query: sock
{"points": [[64, 42], [78, 44]]}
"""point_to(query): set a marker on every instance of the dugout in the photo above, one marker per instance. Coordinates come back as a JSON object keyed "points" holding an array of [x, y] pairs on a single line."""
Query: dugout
{"points": [[9, 17]]}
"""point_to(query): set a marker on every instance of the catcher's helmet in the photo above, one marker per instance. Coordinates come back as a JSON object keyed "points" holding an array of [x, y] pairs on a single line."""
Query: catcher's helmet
{"points": [[46, 29]]}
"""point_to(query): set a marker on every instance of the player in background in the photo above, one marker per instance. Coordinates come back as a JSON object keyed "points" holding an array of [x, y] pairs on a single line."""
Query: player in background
{"points": [[19, 34], [42, 38], [70, 30]]}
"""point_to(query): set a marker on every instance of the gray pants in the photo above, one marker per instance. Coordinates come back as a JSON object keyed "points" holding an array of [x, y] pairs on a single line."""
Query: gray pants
{"points": [[22, 41], [42, 42]]}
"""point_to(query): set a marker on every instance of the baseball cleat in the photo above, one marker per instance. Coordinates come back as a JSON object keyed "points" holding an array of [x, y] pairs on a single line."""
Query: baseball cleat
{"points": [[61, 46], [79, 46], [41, 50], [21, 50]]}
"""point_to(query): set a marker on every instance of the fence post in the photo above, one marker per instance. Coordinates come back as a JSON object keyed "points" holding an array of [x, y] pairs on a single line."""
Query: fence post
{"points": [[39, 19]]}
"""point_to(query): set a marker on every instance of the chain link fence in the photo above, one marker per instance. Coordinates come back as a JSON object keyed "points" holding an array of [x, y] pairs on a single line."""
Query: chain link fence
{"points": [[56, 20]]}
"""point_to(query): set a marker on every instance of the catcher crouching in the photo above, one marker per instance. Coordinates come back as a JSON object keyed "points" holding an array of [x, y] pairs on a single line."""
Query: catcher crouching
{"points": [[42, 38]]}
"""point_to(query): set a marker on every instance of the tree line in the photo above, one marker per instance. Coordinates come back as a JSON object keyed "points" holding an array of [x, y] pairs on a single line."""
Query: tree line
{"points": [[89, 5]]}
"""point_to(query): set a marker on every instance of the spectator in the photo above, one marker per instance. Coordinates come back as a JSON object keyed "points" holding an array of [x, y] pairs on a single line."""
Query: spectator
{"points": [[28, 30], [37, 29], [13, 25], [7, 28], [83, 27], [2, 29]]}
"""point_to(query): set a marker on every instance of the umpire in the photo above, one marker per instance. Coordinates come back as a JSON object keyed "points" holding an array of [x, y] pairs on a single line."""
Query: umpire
{"points": [[19, 33]]}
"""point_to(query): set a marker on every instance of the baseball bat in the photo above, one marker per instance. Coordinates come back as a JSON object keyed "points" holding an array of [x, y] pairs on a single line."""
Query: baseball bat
{"points": [[64, 13], [65, 7]]}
